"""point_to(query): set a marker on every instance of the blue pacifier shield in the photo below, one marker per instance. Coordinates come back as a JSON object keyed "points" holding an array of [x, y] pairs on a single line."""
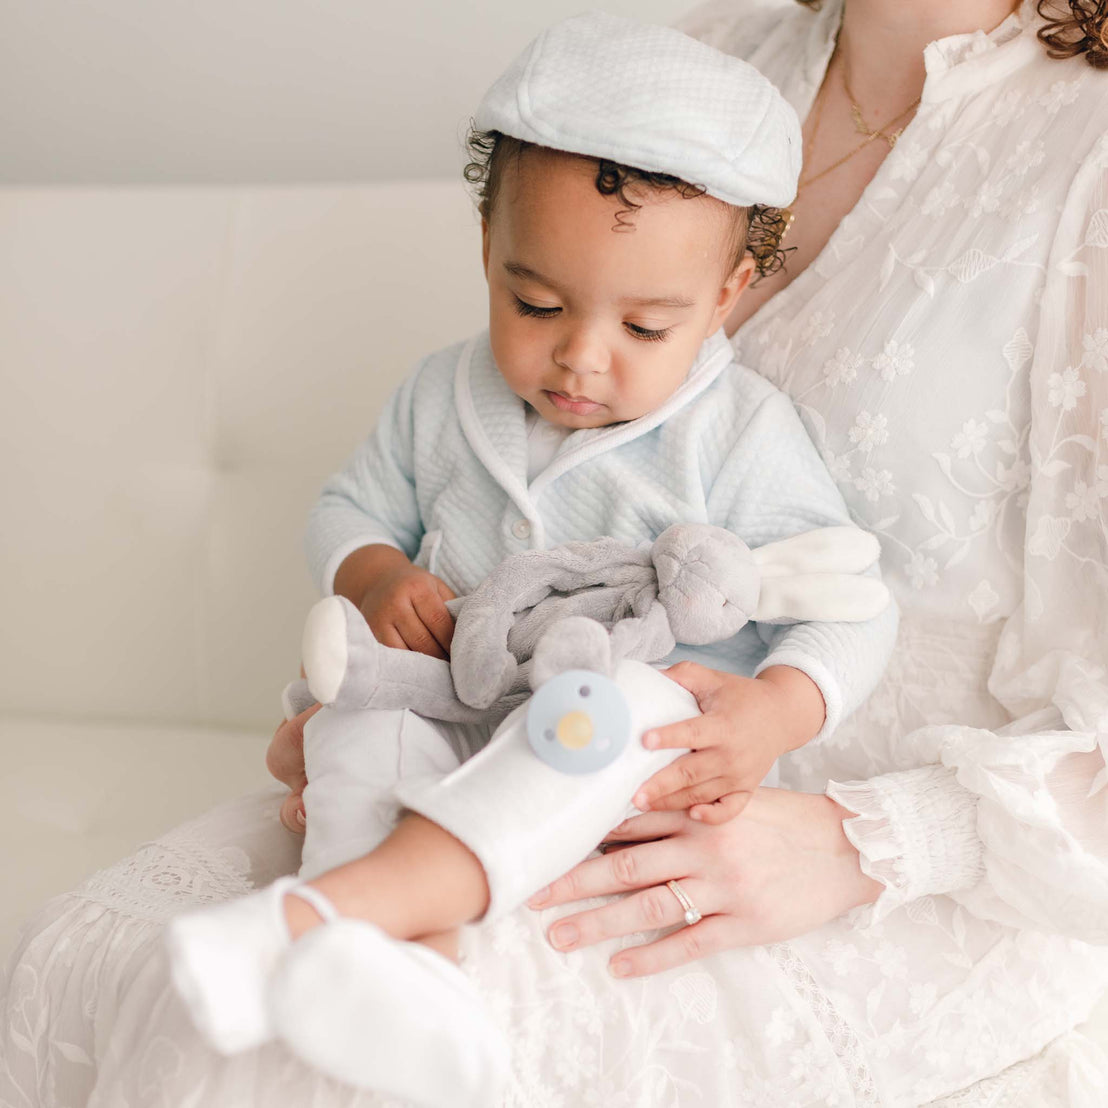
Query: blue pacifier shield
{"points": [[578, 722]]}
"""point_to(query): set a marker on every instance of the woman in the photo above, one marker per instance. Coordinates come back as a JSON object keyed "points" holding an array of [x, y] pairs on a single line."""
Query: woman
{"points": [[943, 327]]}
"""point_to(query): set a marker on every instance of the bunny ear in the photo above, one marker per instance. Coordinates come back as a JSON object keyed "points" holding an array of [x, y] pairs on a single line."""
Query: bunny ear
{"points": [[839, 597], [573, 643], [825, 550]]}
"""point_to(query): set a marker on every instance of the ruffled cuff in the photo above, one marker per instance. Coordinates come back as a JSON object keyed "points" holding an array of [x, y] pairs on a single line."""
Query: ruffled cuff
{"points": [[915, 832]]}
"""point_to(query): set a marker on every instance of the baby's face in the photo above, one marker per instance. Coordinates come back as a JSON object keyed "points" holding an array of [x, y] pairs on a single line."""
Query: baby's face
{"points": [[593, 326]]}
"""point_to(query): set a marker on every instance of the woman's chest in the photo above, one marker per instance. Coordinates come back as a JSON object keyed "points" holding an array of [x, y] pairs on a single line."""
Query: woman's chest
{"points": [[906, 345]]}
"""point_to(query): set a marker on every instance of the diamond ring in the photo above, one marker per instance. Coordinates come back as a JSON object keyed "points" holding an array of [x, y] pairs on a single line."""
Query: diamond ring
{"points": [[692, 915]]}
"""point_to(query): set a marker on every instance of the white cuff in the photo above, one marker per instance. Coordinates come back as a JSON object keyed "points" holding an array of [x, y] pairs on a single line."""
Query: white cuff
{"points": [[824, 679], [915, 832]]}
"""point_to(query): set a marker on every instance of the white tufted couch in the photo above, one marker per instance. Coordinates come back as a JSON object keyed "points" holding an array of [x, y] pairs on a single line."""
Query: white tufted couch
{"points": [[180, 369]]}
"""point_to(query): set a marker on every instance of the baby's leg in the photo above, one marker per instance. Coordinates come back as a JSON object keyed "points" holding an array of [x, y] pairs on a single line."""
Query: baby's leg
{"points": [[499, 828], [489, 834], [354, 761], [223, 957]]}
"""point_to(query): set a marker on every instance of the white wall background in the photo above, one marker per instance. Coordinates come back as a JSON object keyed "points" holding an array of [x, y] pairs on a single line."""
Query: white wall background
{"points": [[253, 91]]}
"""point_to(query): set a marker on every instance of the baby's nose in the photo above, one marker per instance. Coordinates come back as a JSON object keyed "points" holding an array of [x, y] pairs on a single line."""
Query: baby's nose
{"points": [[583, 352]]}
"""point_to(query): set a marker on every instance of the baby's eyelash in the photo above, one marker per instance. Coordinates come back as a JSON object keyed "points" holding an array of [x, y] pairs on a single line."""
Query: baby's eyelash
{"points": [[523, 308], [648, 335], [644, 334]]}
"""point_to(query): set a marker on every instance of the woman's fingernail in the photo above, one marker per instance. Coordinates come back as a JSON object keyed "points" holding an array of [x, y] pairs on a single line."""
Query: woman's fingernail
{"points": [[641, 801], [564, 935], [301, 818], [650, 740], [540, 898], [620, 967]]}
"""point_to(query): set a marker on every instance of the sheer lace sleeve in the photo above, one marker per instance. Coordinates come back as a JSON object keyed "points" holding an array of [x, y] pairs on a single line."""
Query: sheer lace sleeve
{"points": [[1014, 824]]}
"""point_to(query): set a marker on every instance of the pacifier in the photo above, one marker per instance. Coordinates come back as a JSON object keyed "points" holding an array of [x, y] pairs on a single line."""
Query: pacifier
{"points": [[578, 721]]}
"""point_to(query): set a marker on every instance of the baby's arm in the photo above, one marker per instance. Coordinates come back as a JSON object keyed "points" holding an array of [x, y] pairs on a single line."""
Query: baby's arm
{"points": [[367, 526], [771, 485], [746, 725], [405, 606]]}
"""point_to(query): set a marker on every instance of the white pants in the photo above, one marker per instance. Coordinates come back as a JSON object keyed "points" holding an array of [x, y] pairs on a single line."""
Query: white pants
{"points": [[527, 822]]}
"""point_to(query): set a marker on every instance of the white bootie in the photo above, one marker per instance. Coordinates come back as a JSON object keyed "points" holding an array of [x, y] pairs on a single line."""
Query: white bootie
{"points": [[392, 1016], [221, 959]]}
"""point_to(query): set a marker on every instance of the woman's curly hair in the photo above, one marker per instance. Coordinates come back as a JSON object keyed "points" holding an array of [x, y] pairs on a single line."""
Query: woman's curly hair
{"points": [[757, 230], [1084, 30], [1081, 30]]}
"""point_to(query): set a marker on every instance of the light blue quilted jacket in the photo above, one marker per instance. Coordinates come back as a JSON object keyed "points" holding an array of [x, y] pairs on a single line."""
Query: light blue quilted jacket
{"points": [[444, 478]]}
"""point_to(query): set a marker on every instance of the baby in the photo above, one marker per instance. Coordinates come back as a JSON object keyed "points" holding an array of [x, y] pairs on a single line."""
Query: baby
{"points": [[624, 175]]}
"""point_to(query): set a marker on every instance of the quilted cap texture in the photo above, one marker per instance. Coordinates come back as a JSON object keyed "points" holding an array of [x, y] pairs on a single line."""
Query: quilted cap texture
{"points": [[653, 98]]}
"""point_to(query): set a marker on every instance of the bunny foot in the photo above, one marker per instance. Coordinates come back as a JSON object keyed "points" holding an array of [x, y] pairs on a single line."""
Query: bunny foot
{"points": [[342, 659]]}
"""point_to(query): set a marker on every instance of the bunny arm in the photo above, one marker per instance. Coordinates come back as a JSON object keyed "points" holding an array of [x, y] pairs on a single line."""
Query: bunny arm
{"points": [[697, 584], [347, 668]]}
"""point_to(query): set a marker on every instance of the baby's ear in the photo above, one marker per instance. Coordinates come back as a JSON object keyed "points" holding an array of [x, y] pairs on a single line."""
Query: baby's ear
{"points": [[485, 246], [573, 643], [735, 285]]}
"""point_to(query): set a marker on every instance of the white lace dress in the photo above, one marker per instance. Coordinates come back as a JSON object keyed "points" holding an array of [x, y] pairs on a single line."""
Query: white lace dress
{"points": [[949, 351]]}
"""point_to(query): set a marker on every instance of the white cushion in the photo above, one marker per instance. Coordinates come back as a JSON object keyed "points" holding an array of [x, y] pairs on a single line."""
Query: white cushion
{"points": [[79, 796], [182, 369]]}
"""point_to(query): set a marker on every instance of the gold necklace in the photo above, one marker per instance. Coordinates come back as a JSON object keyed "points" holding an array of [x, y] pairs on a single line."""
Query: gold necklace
{"points": [[860, 126]]}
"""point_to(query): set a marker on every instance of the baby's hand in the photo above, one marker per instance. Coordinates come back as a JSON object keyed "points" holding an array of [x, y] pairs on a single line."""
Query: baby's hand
{"points": [[405, 607], [747, 724]]}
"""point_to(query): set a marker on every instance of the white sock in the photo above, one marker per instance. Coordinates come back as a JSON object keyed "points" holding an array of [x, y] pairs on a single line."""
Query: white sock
{"points": [[221, 959], [392, 1016]]}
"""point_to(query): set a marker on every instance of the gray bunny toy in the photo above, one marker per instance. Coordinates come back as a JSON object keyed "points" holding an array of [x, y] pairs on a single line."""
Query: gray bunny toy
{"points": [[697, 584]]}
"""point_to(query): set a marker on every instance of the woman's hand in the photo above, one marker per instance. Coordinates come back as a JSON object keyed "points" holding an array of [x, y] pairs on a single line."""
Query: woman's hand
{"points": [[781, 869], [285, 760]]}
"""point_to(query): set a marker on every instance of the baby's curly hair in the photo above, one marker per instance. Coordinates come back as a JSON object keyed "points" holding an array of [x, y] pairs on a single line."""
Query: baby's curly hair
{"points": [[757, 230]]}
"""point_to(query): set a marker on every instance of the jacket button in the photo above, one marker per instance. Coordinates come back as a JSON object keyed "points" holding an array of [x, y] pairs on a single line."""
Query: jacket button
{"points": [[521, 529]]}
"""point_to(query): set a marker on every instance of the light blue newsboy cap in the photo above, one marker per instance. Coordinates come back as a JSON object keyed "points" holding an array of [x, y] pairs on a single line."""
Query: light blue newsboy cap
{"points": [[653, 98]]}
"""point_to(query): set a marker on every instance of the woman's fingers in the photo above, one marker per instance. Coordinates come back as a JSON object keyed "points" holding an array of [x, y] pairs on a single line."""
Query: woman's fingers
{"points": [[292, 813], [618, 872], [285, 760], [648, 910], [711, 935], [285, 756], [650, 825]]}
